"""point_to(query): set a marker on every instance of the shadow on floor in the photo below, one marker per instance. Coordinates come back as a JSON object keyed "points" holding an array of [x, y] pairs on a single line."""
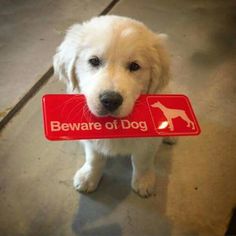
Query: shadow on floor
{"points": [[113, 189], [137, 216]]}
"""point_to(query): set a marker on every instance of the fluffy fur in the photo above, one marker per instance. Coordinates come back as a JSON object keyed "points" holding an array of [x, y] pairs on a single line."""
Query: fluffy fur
{"points": [[117, 42]]}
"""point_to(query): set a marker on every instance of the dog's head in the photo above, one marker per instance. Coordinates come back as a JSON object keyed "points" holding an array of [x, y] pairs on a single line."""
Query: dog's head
{"points": [[112, 60]]}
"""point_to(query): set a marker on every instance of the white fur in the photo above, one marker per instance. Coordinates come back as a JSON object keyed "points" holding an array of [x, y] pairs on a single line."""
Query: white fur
{"points": [[118, 41]]}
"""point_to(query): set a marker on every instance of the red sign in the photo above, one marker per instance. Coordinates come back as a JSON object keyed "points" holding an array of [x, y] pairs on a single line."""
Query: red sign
{"points": [[67, 117]]}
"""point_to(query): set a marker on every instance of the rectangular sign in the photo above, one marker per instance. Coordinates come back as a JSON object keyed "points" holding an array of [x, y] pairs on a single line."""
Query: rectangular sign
{"points": [[67, 117]]}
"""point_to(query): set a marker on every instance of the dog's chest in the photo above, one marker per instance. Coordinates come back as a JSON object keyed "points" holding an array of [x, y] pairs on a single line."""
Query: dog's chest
{"points": [[114, 147]]}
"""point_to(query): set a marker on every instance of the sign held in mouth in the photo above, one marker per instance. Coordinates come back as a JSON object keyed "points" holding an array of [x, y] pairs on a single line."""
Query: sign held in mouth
{"points": [[67, 117]]}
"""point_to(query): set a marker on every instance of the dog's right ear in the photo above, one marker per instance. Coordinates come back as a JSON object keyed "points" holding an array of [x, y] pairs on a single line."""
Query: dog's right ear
{"points": [[160, 64], [66, 57]]}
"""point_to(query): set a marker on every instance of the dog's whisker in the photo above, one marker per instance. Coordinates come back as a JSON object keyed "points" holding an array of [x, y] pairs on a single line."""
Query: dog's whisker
{"points": [[74, 108], [81, 112], [68, 102], [87, 113], [77, 112], [78, 105]]}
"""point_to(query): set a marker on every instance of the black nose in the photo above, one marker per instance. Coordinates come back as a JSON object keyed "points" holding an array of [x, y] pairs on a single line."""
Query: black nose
{"points": [[111, 100]]}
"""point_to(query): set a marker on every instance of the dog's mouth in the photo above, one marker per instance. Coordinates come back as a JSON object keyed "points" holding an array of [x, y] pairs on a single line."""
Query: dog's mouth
{"points": [[108, 103], [101, 112]]}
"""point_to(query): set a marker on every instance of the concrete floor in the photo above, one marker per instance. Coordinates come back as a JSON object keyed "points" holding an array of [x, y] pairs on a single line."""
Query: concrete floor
{"points": [[196, 177], [29, 33]]}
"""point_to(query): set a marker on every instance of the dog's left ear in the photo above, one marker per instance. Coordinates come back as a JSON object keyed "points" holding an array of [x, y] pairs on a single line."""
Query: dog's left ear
{"points": [[66, 56], [160, 64]]}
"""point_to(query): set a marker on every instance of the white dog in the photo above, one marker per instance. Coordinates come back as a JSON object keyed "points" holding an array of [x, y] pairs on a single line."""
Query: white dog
{"points": [[112, 60]]}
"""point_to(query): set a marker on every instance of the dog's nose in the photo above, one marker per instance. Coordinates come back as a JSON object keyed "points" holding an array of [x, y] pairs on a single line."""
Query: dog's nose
{"points": [[111, 100]]}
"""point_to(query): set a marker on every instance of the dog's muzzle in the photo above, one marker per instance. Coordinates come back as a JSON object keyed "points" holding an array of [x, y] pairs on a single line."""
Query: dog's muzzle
{"points": [[110, 100]]}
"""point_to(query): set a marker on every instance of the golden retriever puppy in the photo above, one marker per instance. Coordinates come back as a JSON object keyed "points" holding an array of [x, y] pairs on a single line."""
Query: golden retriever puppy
{"points": [[112, 60]]}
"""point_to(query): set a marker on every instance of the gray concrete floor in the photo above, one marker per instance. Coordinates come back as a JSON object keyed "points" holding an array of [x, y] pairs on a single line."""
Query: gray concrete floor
{"points": [[29, 33], [196, 177]]}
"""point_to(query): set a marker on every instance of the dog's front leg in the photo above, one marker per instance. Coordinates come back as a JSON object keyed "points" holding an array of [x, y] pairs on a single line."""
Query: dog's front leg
{"points": [[88, 176], [144, 175]]}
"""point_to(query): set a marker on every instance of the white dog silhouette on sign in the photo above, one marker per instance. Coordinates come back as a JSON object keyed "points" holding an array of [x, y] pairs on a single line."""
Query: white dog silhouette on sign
{"points": [[170, 114]]}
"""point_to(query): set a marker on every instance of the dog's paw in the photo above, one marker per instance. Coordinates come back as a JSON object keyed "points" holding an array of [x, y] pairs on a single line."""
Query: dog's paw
{"points": [[145, 185], [86, 179]]}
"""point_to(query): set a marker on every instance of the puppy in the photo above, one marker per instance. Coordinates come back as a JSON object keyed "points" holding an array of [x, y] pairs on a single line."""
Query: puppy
{"points": [[112, 60]]}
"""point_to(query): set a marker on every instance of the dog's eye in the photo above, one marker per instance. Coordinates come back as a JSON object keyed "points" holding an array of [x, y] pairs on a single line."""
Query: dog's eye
{"points": [[95, 61], [133, 66]]}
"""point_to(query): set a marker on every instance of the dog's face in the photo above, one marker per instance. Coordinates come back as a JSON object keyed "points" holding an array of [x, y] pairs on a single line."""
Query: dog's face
{"points": [[112, 60]]}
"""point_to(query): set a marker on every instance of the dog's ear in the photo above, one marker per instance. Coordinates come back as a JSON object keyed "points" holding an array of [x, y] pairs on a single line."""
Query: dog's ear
{"points": [[66, 56], [160, 64]]}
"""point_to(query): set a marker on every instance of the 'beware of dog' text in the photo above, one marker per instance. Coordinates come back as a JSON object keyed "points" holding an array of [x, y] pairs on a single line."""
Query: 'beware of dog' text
{"points": [[57, 126]]}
